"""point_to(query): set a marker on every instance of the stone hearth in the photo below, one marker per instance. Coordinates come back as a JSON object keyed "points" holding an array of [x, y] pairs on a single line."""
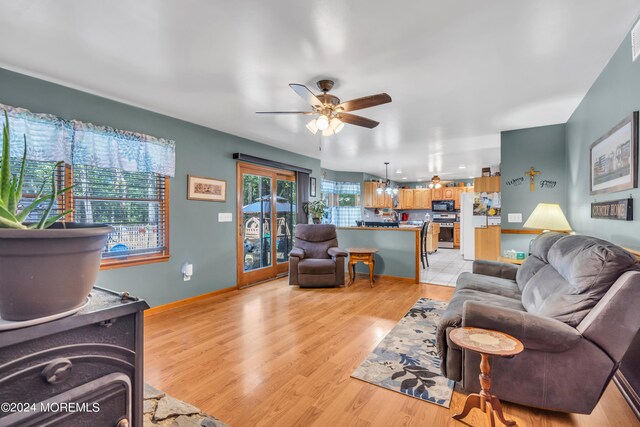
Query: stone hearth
{"points": [[162, 410]]}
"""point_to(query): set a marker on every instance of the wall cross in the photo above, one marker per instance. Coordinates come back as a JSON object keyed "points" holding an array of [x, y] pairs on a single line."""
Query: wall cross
{"points": [[532, 174]]}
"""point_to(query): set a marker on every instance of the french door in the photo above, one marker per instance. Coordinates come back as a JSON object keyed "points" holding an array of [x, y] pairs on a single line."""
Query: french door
{"points": [[266, 221]]}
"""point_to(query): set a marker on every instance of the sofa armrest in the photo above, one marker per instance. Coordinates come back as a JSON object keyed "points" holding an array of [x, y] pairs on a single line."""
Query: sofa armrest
{"points": [[336, 252], [297, 253], [503, 270], [535, 332]]}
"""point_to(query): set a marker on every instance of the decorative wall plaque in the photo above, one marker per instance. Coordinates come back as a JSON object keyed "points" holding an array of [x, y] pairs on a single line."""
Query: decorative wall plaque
{"points": [[615, 209]]}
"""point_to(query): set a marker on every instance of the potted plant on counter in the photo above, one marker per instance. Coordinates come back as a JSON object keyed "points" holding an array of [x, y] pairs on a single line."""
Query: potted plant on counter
{"points": [[46, 267], [316, 210]]}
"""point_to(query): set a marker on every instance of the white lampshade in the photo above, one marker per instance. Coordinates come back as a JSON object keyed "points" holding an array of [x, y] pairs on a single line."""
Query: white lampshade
{"points": [[548, 216], [327, 132], [379, 190], [336, 125], [312, 126], [322, 122], [438, 185]]}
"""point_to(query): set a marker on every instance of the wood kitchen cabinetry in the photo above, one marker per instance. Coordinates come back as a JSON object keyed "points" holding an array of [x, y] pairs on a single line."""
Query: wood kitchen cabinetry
{"points": [[422, 198], [487, 184], [374, 199], [457, 192], [487, 243], [448, 193], [438, 194], [405, 199], [456, 235]]}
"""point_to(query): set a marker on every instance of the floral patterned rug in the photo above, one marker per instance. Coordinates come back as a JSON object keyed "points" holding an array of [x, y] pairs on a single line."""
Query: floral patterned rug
{"points": [[406, 360]]}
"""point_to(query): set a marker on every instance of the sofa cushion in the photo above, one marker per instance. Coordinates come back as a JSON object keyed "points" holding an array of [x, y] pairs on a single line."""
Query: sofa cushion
{"points": [[493, 285], [580, 271], [316, 266], [539, 250]]}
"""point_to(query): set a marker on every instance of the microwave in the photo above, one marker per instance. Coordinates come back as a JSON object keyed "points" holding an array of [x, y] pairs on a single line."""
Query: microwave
{"points": [[443, 206]]}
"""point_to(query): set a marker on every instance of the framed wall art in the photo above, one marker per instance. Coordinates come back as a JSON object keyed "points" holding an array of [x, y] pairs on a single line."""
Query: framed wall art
{"points": [[614, 158], [207, 189], [312, 187]]}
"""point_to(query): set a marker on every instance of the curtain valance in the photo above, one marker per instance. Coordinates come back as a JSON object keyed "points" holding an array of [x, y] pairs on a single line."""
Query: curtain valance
{"points": [[50, 138], [106, 147]]}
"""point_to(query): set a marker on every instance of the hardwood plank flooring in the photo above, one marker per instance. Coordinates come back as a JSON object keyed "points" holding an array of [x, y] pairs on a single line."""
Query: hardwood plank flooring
{"points": [[274, 355]]}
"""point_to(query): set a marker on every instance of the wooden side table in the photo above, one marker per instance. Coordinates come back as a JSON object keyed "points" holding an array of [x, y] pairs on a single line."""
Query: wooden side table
{"points": [[510, 260], [365, 256], [487, 343]]}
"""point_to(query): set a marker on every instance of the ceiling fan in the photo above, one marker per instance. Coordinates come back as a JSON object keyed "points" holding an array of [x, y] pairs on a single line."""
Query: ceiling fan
{"points": [[333, 114]]}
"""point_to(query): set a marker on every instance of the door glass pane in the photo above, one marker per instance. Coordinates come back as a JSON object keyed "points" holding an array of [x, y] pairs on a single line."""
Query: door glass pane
{"points": [[285, 218], [256, 219]]}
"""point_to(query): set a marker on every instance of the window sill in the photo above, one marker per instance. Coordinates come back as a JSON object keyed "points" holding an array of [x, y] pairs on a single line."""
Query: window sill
{"points": [[132, 261]]}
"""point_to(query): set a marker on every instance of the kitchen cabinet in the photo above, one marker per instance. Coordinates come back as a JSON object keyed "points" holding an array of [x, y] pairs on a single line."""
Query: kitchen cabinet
{"points": [[405, 199], [373, 199], [456, 195], [487, 184], [369, 192], [487, 243], [422, 198], [437, 193], [456, 235], [448, 193]]}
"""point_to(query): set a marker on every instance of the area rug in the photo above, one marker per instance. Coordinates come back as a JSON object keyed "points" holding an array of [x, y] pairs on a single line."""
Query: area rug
{"points": [[406, 361]]}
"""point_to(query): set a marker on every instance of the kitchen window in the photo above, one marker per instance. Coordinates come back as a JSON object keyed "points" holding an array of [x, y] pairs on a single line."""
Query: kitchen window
{"points": [[343, 202]]}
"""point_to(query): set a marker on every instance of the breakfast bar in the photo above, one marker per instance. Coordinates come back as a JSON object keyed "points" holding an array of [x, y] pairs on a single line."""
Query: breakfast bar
{"points": [[398, 255]]}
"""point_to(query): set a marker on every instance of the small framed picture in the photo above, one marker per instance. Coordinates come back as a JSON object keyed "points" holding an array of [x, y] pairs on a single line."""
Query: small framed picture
{"points": [[207, 189], [312, 187], [614, 158]]}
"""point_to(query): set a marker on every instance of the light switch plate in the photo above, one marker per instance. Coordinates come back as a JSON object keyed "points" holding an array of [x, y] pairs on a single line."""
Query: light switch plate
{"points": [[224, 217], [515, 217]]}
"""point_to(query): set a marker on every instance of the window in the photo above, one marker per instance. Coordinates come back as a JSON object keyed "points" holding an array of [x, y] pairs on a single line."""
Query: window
{"points": [[135, 204], [36, 173], [120, 178], [343, 202]]}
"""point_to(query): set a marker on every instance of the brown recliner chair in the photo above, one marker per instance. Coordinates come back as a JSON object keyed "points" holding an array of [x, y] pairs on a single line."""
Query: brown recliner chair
{"points": [[316, 260]]}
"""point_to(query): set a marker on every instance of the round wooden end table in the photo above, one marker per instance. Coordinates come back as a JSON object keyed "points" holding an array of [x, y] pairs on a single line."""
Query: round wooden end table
{"points": [[487, 343], [365, 256]]}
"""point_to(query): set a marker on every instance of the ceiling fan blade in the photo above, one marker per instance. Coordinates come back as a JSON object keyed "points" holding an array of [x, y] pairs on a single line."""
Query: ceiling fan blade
{"points": [[285, 112], [352, 119], [366, 102], [306, 94]]}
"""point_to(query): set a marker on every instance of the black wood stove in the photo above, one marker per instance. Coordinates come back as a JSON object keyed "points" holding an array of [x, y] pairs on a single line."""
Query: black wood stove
{"points": [[81, 370]]}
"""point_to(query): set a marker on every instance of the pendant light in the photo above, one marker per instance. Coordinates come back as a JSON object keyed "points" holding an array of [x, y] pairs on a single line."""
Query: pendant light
{"points": [[386, 187]]}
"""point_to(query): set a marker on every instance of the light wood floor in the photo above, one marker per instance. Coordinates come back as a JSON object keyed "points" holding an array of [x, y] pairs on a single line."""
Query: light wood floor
{"points": [[276, 355]]}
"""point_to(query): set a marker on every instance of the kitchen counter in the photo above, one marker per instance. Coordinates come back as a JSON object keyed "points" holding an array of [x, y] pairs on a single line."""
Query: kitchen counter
{"points": [[398, 254], [414, 229]]}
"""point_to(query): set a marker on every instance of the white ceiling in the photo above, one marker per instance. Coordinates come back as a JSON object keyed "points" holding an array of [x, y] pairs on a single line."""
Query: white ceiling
{"points": [[459, 71]]}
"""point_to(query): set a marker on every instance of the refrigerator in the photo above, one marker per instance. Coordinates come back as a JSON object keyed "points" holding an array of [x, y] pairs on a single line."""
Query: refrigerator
{"points": [[477, 210]]}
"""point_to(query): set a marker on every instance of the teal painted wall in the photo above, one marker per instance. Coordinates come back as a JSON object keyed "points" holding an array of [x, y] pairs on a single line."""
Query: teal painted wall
{"points": [[613, 96], [196, 236], [397, 249], [544, 149]]}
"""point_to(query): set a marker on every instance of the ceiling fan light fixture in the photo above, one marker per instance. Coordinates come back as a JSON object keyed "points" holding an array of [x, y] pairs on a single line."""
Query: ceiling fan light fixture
{"points": [[438, 185], [327, 132], [312, 126], [336, 125], [322, 122]]}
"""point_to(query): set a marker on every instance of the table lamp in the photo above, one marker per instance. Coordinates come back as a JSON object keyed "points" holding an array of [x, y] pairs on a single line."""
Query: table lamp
{"points": [[548, 217]]}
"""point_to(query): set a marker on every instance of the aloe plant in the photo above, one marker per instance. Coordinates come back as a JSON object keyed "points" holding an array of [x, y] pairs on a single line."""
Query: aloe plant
{"points": [[12, 215]]}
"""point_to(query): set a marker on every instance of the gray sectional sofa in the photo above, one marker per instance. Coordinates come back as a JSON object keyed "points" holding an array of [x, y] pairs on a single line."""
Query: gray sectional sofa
{"points": [[574, 304]]}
